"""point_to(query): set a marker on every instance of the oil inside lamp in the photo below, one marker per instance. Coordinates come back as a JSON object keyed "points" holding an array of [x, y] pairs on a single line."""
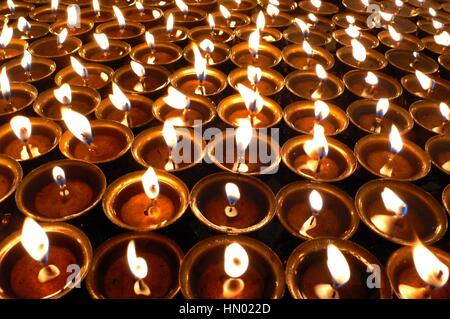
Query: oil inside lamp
{"points": [[79, 126], [381, 110], [233, 196], [139, 70], [235, 264], [253, 102], [243, 136], [21, 127], [179, 101], [340, 273], [171, 139], [63, 94], [139, 268], [445, 111], [431, 270], [151, 189], [322, 76], [5, 89], [316, 205], [35, 241], [394, 205], [59, 176], [122, 103], [316, 149], [5, 38], [396, 142], [200, 69], [207, 47], [372, 80]]}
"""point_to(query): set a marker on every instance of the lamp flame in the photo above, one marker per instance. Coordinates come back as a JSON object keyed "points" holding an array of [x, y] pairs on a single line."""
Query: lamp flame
{"points": [[386, 16], [350, 19], [358, 50], [200, 64], [96, 6], [211, 22], [353, 31], [169, 134], [78, 125], [59, 176], [119, 16], [233, 194], [225, 12], [253, 43], [23, 25], [424, 80], [236, 260], [432, 12], [119, 99], [365, 2], [63, 94], [316, 3], [26, 61], [252, 100], [371, 78], [169, 23], [182, 6], [21, 126], [4, 85], [337, 265], [317, 147], [176, 99], [315, 201], [54, 5], [150, 183], [62, 36], [436, 24], [139, 6], [260, 21], [320, 72], [79, 68], [137, 68], [395, 140], [138, 265], [321, 110], [445, 110], [429, 267], [243, 135], [442, 38], [399, 3], [11, 6], [272, 10], [307, 48], [254, 74], [393, 203], [302, 25], [34, 240], [207, 46], [382, 107], [394, 34], [312, 17], [150, 40], [5, 36], [102, 40], [73, 19]]}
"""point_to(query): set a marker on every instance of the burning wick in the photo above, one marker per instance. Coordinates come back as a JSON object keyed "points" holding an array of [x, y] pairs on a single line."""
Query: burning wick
{"points": [[208, 47], [139, 70], [340, 272], [183, 7], [426, 83], [120, 19], [233, 196], [103, 43], [253, 102], [24, 26], [5, 37], [139, 268], [151, 189], [316, 149], [80, 69], [445, 111], [416, 56], [59, 177], [372, 80], [254, 76], [79, 126], [243, 137], [21, 127], [322, 75], [61, 38], [235, 265], [200, 69], [396, 142], [170, 137], [316, 204], [5, 89], [35, 241], [321, 110], [26, 64], [393, 204], [309, 53], [150, 40], [122, 103], [96, 7], [382, 108], [178, 101], [253, 45]]}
